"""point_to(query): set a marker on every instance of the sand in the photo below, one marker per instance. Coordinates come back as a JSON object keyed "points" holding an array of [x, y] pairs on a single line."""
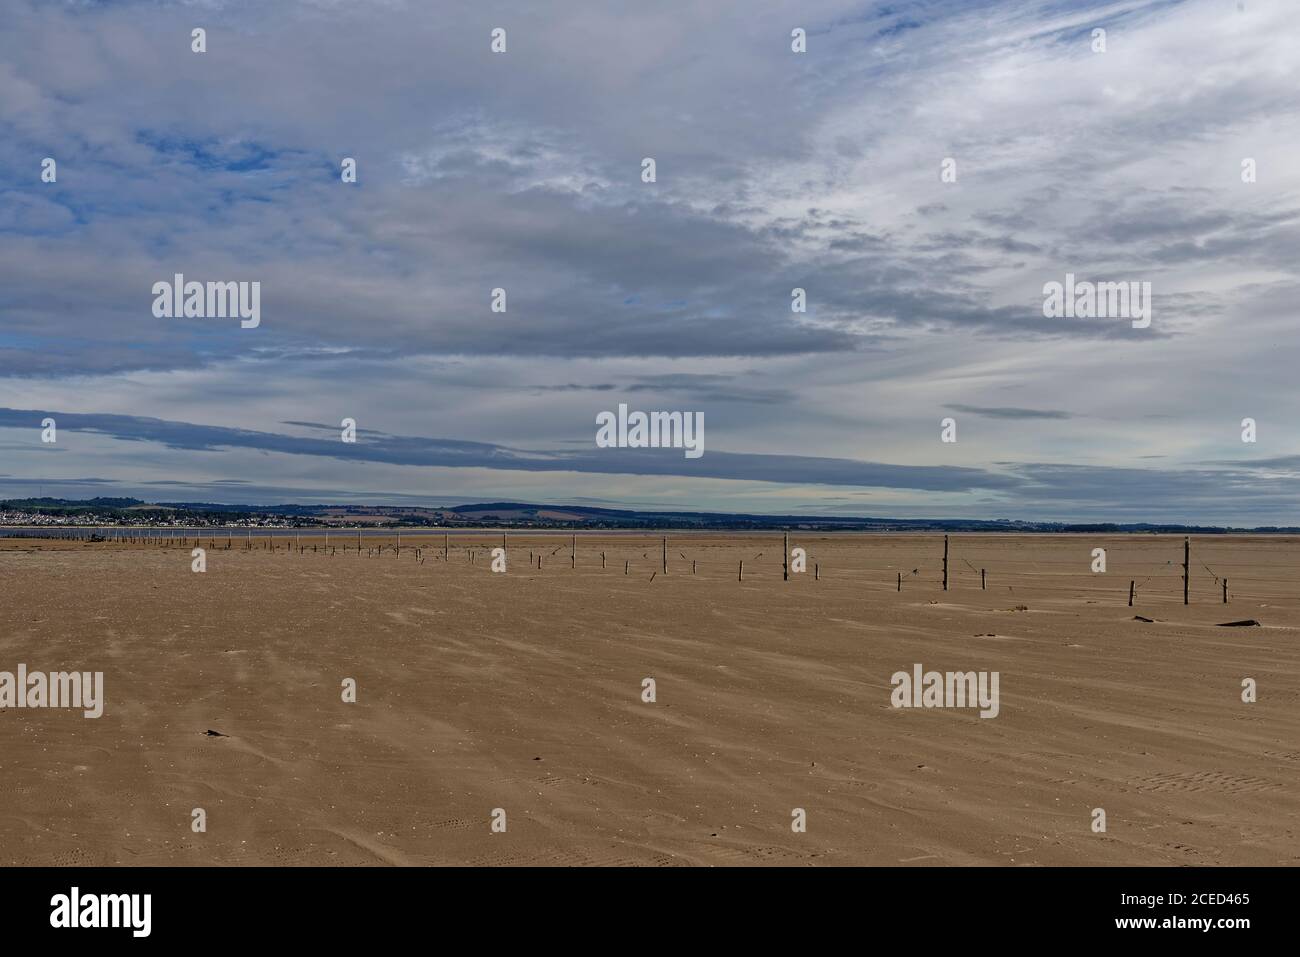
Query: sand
{"points": [[523, 691]]}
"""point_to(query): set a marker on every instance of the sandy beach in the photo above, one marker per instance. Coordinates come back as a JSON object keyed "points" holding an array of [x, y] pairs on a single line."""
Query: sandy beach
{"points": [[522, 691]]}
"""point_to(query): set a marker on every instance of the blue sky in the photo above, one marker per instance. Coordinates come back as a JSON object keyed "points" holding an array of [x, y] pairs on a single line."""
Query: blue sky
{"points": [[775, 170]]}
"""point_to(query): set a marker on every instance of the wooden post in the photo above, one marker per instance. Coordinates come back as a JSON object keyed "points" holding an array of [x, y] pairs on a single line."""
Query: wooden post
{"points": [[817, 572], [358, 541], [625, 565], [692, 566], [665, 554], [785, 558], [573, 552], [900, 581], [945, 563], [1130, 593], [981, 579], [1225, 591], [602, 560], [742, 571], [1187, 555]]}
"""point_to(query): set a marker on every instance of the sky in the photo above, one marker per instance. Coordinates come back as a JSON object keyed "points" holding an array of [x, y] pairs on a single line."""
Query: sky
{"points": [[821, 170]]}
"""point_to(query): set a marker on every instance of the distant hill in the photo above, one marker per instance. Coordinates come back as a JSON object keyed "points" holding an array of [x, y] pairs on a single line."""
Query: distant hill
{"points": [[130, 511]]}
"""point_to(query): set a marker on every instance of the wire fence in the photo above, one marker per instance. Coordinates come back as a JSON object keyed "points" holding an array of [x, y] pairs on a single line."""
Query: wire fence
{"points": [[1219, 568]]}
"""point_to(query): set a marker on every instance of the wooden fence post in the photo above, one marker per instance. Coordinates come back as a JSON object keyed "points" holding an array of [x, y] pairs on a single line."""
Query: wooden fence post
{"points": [[945, 563]]}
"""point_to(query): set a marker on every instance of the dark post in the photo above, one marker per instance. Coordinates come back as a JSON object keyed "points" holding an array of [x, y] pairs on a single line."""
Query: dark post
{"points": [[785, 559], [1225, 591], [573, 552], [945, 563], [1130, 593], [900, 581], [981, 579], [1187, 555], [665, 554]]}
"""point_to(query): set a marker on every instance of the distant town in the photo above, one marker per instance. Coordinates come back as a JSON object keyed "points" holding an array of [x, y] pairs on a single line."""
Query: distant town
{"points": [[38, 513]]}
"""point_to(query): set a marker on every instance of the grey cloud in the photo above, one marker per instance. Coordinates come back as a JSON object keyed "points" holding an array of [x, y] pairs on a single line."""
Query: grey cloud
{"points": [[453, 453], [1010, 412]]}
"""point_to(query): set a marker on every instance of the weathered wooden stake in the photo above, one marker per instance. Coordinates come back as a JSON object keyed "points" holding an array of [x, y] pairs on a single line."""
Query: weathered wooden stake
{"points": [[665, 554], [900, 581], [741, 576], [981, 579], [945, 563], [785, 557], [1225, 591], [1130, 593], [1187, 557]]}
